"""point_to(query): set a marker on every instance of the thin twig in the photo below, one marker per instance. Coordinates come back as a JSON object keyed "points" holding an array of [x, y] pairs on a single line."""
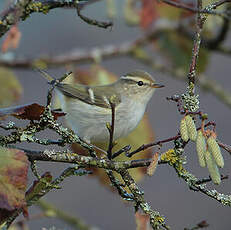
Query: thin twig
{"points": [[206, 180], [156, 220], [225, 146], [207, 11], [125, 150], [149, 145], [146, 146], [111, 130], [196, 48], [93, 22]]}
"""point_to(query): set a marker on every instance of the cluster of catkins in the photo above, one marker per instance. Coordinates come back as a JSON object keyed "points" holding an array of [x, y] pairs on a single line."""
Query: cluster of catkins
{"points": [[208, 151]]}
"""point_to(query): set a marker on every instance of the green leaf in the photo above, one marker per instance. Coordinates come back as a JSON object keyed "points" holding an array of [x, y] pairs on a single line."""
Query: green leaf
{"points": [[178, 50]]}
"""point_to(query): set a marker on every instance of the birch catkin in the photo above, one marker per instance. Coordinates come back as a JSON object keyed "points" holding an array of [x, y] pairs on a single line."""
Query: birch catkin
{"points": [[192, 131], [201, 148], [214, 148], [184, 130], [212, 167]]}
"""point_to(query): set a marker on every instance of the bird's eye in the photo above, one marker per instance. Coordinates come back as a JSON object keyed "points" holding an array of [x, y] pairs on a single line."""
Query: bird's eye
{"points": [[140, 83]]}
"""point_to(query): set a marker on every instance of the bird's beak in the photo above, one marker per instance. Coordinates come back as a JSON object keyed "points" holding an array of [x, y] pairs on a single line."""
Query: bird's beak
{"points": [[155, 85]]}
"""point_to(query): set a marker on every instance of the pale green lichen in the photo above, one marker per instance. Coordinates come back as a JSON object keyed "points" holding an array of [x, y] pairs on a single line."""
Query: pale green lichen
{"points": [[10, 125], [191, 102]]}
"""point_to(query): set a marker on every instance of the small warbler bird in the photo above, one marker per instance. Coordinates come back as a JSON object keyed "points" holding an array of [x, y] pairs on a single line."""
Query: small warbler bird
{"points": [[89, 108]]}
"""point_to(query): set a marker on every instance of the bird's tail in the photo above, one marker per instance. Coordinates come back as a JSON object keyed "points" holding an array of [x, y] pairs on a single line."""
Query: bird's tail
{"points": [[45, 75]]}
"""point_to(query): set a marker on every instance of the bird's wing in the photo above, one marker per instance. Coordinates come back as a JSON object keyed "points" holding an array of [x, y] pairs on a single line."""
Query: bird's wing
{"points": [[91, 95]]}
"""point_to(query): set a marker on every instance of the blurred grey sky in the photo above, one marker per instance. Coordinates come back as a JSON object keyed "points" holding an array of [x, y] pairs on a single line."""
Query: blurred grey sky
{"points": [[61, 31]]}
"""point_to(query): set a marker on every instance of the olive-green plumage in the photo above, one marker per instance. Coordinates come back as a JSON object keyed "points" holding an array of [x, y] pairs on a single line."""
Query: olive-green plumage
{"points": [[89, 108]]}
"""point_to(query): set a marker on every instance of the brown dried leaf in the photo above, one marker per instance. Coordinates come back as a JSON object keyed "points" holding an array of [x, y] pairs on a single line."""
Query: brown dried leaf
{"points": [[28, 112], [142, 221], [12, 39], [152, 167], [13, 180]]}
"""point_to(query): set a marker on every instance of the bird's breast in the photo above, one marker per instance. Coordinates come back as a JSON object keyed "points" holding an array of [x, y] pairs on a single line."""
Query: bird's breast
{"points": [[128, 116]]}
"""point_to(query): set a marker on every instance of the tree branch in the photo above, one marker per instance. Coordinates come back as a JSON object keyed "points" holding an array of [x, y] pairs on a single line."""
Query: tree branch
{"points": [[156, 220], [93, 22], [207, 11], [22, 9]]}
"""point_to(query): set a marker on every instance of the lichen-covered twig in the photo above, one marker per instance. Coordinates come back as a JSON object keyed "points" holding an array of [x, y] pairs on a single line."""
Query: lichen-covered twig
{"points": [[46, 121], [22, 9], [83, 161], [174, 160], [43, 186], [12, 15], [86, 161], [117, 184], [156, 220]]}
